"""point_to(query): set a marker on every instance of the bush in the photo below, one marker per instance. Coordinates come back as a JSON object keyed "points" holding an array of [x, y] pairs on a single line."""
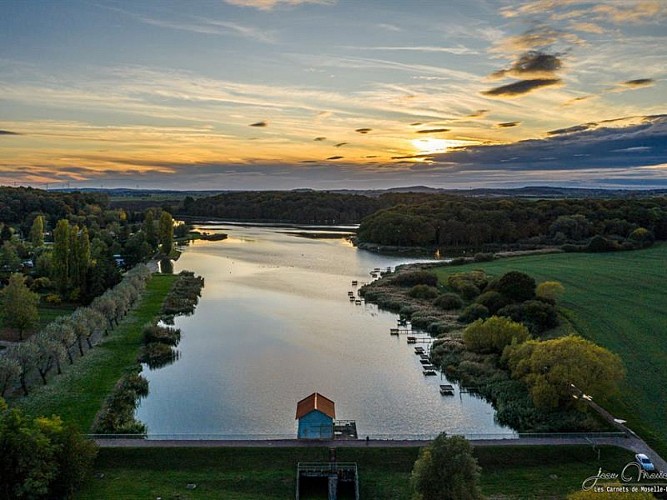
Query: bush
{"points": [[514, 285], [484, 257], [492, 300], [642, 236], [494, 334], [448, 302], [412, 278], [537, 315], [473, 312], [601, 244], [423, 292]]}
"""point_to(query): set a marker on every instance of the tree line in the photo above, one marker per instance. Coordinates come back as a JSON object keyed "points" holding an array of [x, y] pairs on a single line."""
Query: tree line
{"points": [[68, 337], [482, 223]]}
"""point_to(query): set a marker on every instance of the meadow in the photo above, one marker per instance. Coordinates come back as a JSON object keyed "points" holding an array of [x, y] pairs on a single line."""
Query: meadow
{"points": [[384, 473], [619, 301]]}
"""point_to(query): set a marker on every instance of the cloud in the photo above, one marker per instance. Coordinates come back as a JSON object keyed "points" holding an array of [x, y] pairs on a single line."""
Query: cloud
{"points": [[432, 130], [508, 124], [363, 130], [576, 100], [8, 132], [459, 50], [639, 82], [320, 139], [532, 64], [259, 124], [607, 145], [538, 38], [521, 87], [480, 113], [570, 130], [270, 4], [335, 158], [340, 144], [587, 27]]}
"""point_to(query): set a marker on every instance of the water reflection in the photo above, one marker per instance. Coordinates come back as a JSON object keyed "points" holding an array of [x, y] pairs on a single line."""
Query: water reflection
{"points": [[273, 325]]}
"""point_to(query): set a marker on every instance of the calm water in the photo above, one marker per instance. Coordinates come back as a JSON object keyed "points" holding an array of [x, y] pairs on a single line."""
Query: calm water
{"points": [[273, 325]]}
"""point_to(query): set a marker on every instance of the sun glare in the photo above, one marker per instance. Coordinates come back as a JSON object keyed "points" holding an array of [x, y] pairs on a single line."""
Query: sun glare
{"points": [[431, 146]]}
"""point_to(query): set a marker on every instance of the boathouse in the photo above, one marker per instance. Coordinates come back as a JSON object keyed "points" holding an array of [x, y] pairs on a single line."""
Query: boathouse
{"points": [[315, 414]]}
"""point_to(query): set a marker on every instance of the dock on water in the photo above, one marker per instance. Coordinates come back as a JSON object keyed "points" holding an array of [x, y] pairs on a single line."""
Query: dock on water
{"points": [[447, 389]]}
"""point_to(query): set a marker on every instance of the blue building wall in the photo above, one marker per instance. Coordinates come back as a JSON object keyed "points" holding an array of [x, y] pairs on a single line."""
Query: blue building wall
{"points": [[315, 425]]}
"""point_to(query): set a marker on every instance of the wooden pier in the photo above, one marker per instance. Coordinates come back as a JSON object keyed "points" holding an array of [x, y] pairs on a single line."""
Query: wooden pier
{"points": [[447, 389]]}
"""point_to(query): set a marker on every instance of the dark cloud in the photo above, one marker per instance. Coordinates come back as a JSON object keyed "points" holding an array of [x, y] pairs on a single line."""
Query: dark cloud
{"points": [[480, 113], [320, 139], [259, 124], [532, 64], [639, 82], [570, 130], [577, 99], [407, 157], [585, 146], [340, 144], [432, 130], [508, 124], [8, 132], [521, 87], [363, 130], [415, 124], [335, 158]]}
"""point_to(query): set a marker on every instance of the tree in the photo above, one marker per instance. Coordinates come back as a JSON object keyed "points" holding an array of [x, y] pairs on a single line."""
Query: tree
{"points": [[10, 370], [446, 470], [550, 290], [9, 257], [19, 305], [552, 367], [41, 457], [60, 256], [37, 231], [494, 334], [166, 232], [25, 355]]}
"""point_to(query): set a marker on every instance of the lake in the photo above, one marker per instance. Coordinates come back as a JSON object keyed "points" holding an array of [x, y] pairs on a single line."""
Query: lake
{"points": [[273, 325]]}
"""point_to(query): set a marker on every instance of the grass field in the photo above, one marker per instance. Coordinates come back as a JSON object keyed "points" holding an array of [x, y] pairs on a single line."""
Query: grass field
{"points": [[384, 473], [618, 300], [78, 394]]}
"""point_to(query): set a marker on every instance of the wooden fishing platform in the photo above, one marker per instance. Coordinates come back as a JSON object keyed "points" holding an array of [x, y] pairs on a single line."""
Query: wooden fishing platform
{"points": [[447, 389], [345, 429]]}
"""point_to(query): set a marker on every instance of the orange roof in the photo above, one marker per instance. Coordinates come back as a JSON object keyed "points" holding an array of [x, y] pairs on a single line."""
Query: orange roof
{"points": [[315, 402]]}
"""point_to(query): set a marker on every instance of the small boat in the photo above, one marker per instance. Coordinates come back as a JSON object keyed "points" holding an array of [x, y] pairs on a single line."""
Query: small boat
{"points": [[428, 367], [351, 298], [358, 302], [412, 340], [425, 361], [393, 331], [419, 350], [355, 283], [429, 373]]}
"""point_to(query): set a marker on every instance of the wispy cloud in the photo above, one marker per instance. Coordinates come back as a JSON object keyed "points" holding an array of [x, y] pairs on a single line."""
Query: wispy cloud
{"points": [[458, 50], [532, 64], [271, 4], [8, 132]]}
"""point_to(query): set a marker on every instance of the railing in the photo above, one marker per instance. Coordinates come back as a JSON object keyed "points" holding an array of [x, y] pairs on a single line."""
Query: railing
{"points": [[374, 436]]}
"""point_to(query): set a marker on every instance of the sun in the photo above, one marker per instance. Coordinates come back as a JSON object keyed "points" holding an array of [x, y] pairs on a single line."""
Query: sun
{"points": [[431, 146]]}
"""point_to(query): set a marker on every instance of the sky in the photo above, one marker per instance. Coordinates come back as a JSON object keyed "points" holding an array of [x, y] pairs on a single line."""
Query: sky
{"points": [[331, 94]]}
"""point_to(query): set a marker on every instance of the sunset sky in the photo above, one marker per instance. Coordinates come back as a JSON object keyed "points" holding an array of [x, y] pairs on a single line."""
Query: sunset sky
{"points": [[326, 94]]}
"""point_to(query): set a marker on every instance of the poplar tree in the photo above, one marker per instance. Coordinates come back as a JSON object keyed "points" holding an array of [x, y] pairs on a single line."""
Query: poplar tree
{"points": [[37, 231], [166, 233], [60, 257]]}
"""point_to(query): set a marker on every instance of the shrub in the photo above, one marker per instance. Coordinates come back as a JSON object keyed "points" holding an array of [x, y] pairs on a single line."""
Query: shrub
{"points": [[642, 236], [484, 257], [423, 292], [494, 334], [492, 300], [537, 315], [412, 278], [473, 312], [448, 302], [550, 290], [514, 285], [601, 244]]}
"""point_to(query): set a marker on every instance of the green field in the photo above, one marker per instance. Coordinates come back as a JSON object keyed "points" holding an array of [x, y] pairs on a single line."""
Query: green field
{"points": [[77, 395], [269, 473], [618, 300]]}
